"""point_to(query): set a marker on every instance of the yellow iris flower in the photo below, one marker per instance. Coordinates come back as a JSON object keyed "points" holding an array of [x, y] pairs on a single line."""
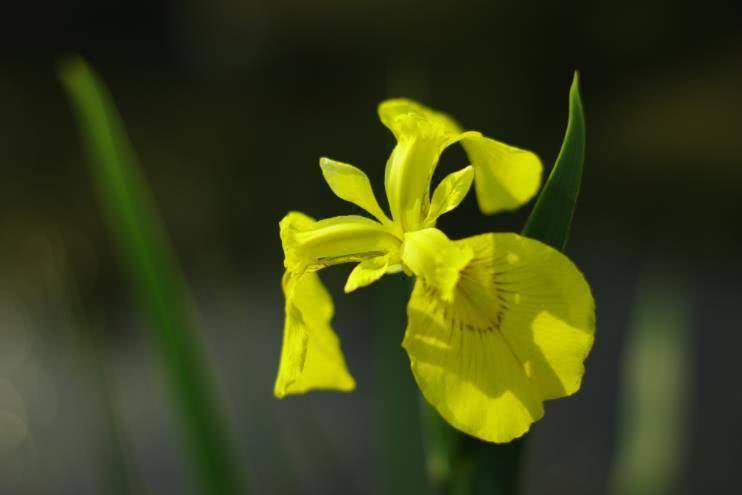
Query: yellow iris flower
{"points": [[497, 323]]}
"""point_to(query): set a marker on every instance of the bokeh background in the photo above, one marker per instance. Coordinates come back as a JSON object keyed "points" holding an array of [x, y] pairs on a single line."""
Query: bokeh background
{"points": [[231, 103]]}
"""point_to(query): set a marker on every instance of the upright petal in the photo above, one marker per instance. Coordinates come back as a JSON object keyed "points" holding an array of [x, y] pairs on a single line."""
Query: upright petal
{"points": [[311, 245], [311, 357], [517, 331], [449, 194], [505, 177], [422, 135], [351, 184]]}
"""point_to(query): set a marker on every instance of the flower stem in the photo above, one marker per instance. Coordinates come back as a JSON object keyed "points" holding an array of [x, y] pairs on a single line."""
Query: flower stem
{"points": [[400, 445], [461, 464]]}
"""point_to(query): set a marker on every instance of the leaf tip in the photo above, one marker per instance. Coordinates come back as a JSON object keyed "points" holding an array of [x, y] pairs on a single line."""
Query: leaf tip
{"points": [[71, 67], [574, 90], [576, 79]]}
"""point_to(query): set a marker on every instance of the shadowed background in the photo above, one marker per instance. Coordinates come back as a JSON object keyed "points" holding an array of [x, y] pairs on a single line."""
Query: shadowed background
{"points": [[229, 106]]}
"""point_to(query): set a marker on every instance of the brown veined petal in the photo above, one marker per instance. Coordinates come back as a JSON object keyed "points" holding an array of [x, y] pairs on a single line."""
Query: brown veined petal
{"points": [[517, 332]]}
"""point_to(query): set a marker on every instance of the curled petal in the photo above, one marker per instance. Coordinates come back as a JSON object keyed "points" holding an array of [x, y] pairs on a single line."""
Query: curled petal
{"points": [[311, 357], [516, 333], [367, 272], [506, 177], [312, 245]]}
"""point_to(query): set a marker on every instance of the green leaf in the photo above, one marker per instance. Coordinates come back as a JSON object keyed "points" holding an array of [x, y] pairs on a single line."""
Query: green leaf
{"points": [[155, 278], [551, 218]]}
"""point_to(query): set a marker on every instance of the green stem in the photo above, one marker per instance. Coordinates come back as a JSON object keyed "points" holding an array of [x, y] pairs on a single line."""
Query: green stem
{"points": [[400, 451], [460, 464]]}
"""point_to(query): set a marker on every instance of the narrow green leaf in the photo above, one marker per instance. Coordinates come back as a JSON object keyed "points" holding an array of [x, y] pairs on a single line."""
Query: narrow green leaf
{"points": [[551, 218], [156, 281]]}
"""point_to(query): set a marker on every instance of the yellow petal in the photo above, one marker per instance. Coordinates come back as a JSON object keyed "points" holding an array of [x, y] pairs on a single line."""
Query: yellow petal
{"points": [[407, 118], [311, 357], [351, 184], [517, 332], [312, 245], [430, 255], [505, 177], [367, 272], [449, 194], [472, 378], [422, 135], [550, 315]]}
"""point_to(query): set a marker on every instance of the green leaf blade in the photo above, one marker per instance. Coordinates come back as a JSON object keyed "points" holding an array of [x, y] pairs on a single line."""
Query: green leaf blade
{"points": [[155, 277], [551, 218]]}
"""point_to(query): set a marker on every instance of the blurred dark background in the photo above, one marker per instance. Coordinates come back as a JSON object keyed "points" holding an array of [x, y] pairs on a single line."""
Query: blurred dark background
{"points": [[230, 104]]}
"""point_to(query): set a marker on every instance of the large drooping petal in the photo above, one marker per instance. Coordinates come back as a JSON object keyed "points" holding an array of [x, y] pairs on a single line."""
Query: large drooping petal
{"points": [[505, 177], [422, 135], [311, 245], [311, 357], [351, 184], [517, 332]]}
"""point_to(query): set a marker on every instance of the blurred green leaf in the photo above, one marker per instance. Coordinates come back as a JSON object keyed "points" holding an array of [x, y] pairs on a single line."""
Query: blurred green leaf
{"points": [[461, 464], [652, 434], [155, 278], [114, 453]]}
